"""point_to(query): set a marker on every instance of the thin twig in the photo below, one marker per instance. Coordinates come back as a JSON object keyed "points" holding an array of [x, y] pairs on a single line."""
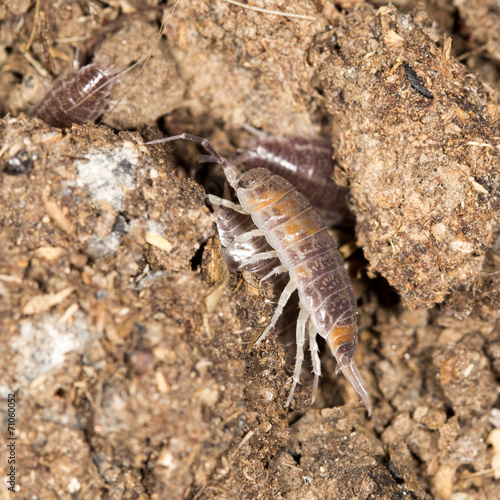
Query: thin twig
{"points": [[273, 12], [35, 24]]}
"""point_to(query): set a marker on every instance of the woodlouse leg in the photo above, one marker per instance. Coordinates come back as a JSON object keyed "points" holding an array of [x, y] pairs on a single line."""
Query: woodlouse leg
{"points": [[215, 200], [254, 233], [300, 339], [275, 271], [316, 363], [271, 254], [285, 295]]}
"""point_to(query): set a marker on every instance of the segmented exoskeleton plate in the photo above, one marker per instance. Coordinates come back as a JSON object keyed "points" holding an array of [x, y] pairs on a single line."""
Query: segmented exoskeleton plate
{"points": [[76, 97]]}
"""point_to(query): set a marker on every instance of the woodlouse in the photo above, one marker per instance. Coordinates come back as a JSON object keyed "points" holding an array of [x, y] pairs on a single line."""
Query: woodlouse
{"points": [[307, 162], [305, 249], [76, 97], [80, 96], [416, 82]]}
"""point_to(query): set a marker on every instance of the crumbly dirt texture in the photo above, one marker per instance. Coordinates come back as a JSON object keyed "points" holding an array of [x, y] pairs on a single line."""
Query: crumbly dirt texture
{"points": [[434, 158], [480, 22], [129, 345]]}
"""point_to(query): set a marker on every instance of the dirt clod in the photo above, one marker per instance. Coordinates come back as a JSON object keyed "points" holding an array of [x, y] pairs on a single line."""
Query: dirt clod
{"points": [[130, 346]]}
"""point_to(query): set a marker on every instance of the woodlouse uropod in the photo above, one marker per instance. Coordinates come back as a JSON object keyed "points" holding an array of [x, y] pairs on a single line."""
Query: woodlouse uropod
{"points": [[308, 253], [76, 97]]}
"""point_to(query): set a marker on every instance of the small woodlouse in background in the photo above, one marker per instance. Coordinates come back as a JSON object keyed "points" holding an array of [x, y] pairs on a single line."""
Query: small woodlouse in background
{"points": [[76, 97], [305, 249], [307, 162], [80, 96]]}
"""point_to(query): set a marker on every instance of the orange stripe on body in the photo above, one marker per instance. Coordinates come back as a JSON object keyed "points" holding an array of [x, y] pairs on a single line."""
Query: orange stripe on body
{"points": [[301, 271], [264, 200], [299, 228], [342, 334]]}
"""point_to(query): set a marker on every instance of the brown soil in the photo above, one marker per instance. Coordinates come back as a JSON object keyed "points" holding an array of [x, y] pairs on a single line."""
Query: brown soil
{"points": [[128, 344]]}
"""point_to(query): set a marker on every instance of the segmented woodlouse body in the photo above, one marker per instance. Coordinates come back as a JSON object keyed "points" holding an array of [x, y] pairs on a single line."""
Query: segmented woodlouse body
{"points": [[305, 250], [231, 226], [307, 162], [76, 97]]}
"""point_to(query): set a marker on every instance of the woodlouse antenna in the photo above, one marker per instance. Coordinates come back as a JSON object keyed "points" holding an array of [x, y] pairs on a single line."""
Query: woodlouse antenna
{"points": [[232, 173], [272, 12], [255, 131]]}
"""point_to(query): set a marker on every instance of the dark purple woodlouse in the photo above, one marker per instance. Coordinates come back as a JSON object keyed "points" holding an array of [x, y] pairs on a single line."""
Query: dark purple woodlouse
{"points": [[80, 96], [307, 162], [300, 240], [237, 249], [76, 97]]}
